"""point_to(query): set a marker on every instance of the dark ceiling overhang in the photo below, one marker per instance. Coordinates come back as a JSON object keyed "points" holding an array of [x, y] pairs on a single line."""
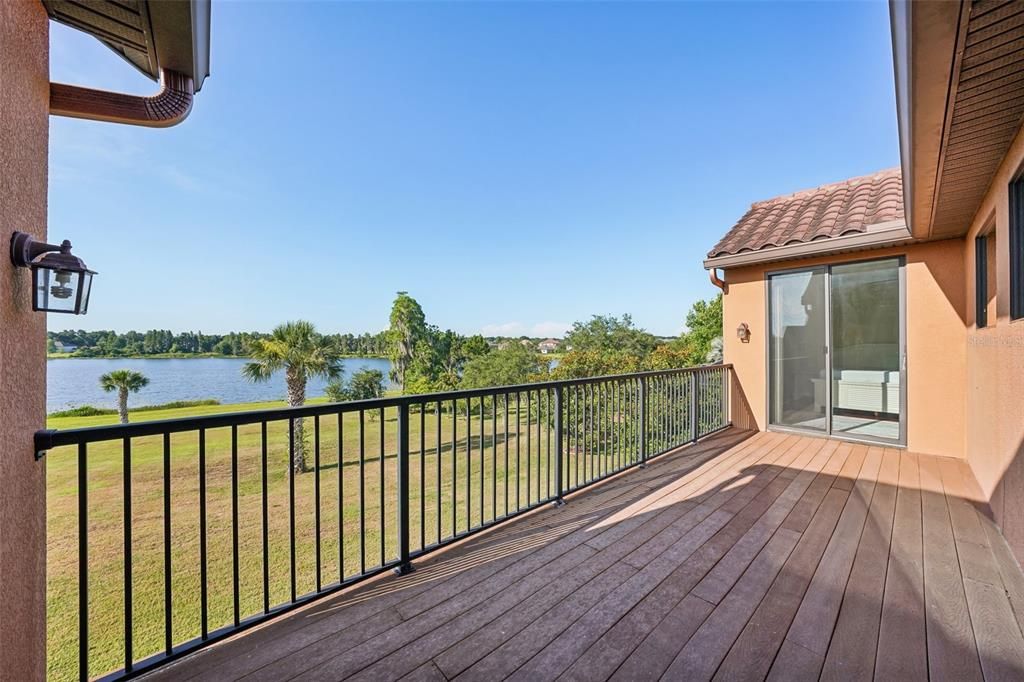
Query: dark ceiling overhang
{"points": [[959, 70], [166, 35]]}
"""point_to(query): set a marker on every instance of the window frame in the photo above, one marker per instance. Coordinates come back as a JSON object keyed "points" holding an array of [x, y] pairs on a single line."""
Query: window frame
{"points": [[981, 292], [1016, 230]]}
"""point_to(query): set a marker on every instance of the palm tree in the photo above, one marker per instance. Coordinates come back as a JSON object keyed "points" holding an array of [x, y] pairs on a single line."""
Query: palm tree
{"points": [[123, 381], [302, 353]]}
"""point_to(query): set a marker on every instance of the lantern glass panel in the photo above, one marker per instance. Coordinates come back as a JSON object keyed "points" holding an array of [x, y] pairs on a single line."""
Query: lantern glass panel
{"points": [[56, 291], [86, 288]]}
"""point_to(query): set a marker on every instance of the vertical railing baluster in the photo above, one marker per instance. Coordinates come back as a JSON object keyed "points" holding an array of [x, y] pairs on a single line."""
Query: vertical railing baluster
{"points": [[266, 518], [615, 426], [481, 452], [126, 450], [676, 410], [547, 436], [381, 525], [316, 500], [588, 427], [234, 523], [577, 426], [643, 421], [540, 443], [83, 562], [602, 391], [404, 565], [559, 426], [168, 604], [529, 447], [423, 474], [494, 457], [693, 407], [469, 465], [362, 492], [291, 505], [341, 497], [439, 486], [508, 472], [203, 590], [455, 467], [518, 464]]}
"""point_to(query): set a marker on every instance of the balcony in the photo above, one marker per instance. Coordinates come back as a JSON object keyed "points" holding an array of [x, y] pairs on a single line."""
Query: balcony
{"points": [[722, 554], [165, 537]]}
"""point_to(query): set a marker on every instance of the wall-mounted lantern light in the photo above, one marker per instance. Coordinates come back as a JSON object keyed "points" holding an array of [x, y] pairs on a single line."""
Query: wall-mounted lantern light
{"points": [[743, 332], [61, 282]]}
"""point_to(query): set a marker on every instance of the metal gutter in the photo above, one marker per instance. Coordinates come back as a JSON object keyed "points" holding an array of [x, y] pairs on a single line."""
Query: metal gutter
{"points": [[168, 107]]}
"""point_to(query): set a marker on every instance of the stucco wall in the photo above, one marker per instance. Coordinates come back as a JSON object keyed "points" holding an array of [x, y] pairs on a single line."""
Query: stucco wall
{"points": [[936, 355], [995, 369], [24, 103]]}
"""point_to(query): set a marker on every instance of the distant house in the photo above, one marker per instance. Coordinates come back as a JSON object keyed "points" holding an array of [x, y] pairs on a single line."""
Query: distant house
{"points": [[64, 347], [548, 346]]}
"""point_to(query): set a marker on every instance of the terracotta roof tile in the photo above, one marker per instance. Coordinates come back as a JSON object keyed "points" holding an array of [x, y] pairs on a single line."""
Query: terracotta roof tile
{"points": [[842, 208]]}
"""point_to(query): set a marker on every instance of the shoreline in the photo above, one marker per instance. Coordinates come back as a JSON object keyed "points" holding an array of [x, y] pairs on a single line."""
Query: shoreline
{"points": [[183, 356]]}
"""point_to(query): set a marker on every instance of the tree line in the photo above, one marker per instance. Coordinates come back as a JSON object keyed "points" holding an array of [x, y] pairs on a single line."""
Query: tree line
{"points": [[425, 359], [108, 343]]}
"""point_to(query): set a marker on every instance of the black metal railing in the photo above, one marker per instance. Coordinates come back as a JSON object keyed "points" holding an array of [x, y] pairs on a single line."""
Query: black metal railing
{"points": [[166, 536]]}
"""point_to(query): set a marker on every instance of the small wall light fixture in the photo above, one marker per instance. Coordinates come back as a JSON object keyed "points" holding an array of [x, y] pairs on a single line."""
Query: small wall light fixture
{"points": [[61, 282], [743, 332]]}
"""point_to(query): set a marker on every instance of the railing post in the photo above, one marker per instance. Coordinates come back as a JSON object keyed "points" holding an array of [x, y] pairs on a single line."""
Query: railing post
{"points": [[404, 565], [693, 407], [559, 450], [643, 422]]}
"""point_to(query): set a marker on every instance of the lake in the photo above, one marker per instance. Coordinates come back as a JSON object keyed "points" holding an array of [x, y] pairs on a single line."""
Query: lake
{"points": [[71, 382]]}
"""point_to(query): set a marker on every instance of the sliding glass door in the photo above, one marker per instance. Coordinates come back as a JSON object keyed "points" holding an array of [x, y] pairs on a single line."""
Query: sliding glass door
{"points": [[836, 348], [797, 344]]}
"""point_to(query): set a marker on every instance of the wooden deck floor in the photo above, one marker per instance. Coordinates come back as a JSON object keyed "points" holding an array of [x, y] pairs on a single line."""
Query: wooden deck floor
{"points": [[748, 556]]}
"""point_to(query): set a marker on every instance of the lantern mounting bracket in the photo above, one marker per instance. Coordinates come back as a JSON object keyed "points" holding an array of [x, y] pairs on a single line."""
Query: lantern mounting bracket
{"points": [[25, 249]]}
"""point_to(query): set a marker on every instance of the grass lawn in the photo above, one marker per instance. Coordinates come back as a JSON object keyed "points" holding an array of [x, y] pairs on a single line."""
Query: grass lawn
{"points": [[449, 487]]}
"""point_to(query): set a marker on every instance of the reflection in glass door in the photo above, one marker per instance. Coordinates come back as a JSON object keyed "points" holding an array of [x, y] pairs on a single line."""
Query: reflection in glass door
{"points": [[797, 348], [866, 349], [835, 350]]}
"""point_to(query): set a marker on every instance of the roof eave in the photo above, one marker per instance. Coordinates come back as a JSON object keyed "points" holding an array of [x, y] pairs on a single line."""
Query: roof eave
{"points": [[176, 34], [181, 36], [891, 233], [924, 37]]}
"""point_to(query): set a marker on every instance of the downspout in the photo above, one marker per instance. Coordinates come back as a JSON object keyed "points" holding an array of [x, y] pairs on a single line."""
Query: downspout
{"points": [[168, 107], [718, 281]]}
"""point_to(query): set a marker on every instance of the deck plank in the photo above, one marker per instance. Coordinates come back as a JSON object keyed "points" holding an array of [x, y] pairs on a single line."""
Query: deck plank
{"points": [[851, 653], [815, 619], [902, 649], [952, 651]]}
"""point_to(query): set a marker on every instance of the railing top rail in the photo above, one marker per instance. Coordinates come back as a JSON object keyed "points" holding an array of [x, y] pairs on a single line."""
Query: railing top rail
{"points": [[47, 439]]}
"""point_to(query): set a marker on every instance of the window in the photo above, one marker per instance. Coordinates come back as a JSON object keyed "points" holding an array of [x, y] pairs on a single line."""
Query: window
{"points": [[981, 281], [1017, 249], [985, 283]]}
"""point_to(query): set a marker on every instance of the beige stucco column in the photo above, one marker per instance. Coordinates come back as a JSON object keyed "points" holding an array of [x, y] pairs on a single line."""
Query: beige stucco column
{"points": [[24, 121]]}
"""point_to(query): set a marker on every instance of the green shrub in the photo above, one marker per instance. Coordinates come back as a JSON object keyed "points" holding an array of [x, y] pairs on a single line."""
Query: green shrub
{"points": [[90, 411]]}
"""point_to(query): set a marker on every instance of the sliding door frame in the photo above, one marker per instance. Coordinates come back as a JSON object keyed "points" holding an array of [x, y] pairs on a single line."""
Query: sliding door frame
{"points": [[826, 268]]}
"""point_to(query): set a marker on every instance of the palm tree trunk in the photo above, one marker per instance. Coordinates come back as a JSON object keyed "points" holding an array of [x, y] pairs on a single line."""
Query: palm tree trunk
{"points": [[122, 404], [296, 398]]}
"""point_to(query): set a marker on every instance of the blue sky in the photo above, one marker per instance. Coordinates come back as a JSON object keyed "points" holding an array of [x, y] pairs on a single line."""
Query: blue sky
{"points": [[515, 167]]}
